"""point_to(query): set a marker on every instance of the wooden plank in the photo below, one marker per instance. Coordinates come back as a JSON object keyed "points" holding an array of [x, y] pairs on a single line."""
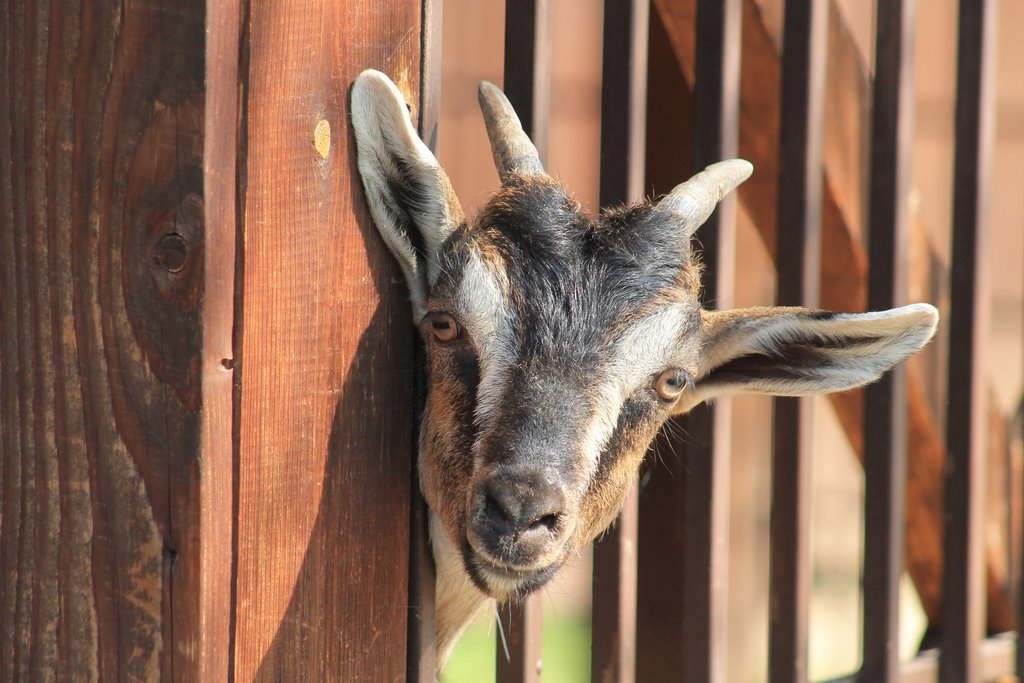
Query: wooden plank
{"points": [[325, 454], [623, 100], [885, 405], [715, 137], [798, 263], [217, 495], [963, 542], [103, 229], [527, 84]]}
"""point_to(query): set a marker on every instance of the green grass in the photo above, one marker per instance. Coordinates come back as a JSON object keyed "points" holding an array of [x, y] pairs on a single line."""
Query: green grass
{"points": [[565, 653]]}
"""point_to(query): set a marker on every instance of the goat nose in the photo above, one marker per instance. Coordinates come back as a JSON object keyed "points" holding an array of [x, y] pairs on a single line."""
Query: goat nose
{"points": [[513, 507], [518, 514]]}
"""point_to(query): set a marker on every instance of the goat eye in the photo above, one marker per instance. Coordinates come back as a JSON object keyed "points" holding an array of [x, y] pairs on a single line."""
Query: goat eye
{"points": [[671, 383], [443, 326]]}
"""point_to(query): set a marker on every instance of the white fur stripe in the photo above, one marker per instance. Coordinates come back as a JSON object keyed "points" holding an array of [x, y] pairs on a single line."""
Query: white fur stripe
{"points": [[646, 348]]}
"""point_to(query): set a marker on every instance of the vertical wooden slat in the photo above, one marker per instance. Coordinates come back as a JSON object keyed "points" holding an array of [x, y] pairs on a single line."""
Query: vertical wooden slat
{"points": [[963, 581], [527, 84], [108, 509], [217, 449], [325, 405], [421, 656], [715, 137], [623, 112], [798, 263], [885, 402]]}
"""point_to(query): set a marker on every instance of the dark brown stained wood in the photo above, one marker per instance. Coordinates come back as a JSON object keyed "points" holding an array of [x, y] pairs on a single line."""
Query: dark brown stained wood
{"points": [[623, 114], [527, 84], [716, 101], [115, 469], [326, 355], [885, 402], [217, 451], [798, 263], [963, 541], [527, 80]]}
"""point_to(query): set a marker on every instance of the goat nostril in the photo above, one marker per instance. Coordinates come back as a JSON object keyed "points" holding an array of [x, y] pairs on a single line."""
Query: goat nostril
{"points": [[548, 522]]}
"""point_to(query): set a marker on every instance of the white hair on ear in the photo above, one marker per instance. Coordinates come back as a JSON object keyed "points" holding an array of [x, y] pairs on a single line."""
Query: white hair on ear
{"points": [[406, 190], [795, 351]]}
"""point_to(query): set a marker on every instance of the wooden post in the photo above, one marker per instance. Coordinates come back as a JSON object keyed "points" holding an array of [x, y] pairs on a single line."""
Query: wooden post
{"points": [[205, 350], [326, 395], [112, 437]]}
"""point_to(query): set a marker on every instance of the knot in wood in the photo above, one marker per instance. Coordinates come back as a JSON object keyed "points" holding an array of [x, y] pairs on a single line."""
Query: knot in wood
{"points": [[171, 252]]}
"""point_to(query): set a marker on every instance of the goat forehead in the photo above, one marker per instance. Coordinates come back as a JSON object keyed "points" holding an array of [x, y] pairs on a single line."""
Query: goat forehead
{"points": [[566, 281]]}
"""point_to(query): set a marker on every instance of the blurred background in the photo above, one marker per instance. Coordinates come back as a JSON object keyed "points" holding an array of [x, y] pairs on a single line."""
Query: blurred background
{"points": [[473, 50]]}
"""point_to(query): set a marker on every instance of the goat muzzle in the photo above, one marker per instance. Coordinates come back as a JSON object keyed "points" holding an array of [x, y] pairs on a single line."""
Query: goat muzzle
{"points": [[518, 518]]}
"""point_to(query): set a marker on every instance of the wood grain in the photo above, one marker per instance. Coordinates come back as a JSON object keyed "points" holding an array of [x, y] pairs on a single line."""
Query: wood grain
{"points": [[325, 404], [102, 239]]}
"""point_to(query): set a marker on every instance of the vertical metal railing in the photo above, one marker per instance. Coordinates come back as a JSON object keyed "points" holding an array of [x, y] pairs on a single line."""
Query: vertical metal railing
{"points": [[963, 547], [706, 532], [420, 656], [798, 263], [527, 83], [623, 110], [885, 402]]}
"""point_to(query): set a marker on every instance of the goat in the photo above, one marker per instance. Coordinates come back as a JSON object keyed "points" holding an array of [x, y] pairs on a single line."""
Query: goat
{"points": [[558, 345]]}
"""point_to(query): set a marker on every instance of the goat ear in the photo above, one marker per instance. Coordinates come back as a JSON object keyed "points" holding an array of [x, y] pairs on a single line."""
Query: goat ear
{"points": [[797, 351], [410, 197]]}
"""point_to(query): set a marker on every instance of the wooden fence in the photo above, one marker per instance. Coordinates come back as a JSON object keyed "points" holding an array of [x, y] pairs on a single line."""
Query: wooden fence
{"points": [[207, 384]]}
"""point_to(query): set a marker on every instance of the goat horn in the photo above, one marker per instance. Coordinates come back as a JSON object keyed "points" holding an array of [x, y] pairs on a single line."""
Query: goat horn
{"points": [[694, 200], [513, 151]]}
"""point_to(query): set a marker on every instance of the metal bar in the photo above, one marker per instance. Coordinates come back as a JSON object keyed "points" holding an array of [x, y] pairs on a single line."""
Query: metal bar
{"points": [[613, 643], [527, 81], [623, 101], [623, 114], [996, 658], [420, 656], [521, 624], [1016, 505], [885, 402], [798, 264], [527, 84], [963, 549], [715, 137], [660, 535]]}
